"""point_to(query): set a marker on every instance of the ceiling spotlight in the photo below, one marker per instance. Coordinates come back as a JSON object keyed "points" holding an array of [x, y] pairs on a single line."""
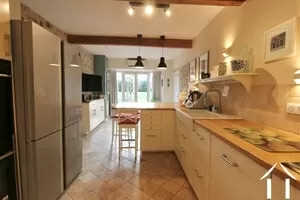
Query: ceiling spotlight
{"points": [[168, 12], [131, 11], [148, 10]]}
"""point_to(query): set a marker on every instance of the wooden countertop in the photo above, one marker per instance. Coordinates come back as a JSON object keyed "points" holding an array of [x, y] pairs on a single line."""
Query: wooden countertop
{"points": [[262, 157], [148, 106]]}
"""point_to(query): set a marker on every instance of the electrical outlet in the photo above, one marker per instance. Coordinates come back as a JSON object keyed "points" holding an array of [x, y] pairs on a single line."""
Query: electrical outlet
{"points": [[293, 108]]}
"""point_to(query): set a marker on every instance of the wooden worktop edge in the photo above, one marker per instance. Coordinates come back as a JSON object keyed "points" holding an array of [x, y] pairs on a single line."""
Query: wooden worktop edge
{"points": [[277, 171]]}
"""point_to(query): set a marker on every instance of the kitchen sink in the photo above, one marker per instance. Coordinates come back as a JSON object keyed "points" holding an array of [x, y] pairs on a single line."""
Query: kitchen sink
{"points": [[205, 114]]}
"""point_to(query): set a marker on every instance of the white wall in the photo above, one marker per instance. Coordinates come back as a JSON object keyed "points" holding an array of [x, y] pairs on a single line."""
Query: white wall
{"points": [[151, 65], [240, 27]]}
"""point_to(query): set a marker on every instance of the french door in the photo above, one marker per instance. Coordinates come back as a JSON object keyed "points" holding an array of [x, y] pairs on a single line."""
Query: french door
{"points": [[134, 87]]}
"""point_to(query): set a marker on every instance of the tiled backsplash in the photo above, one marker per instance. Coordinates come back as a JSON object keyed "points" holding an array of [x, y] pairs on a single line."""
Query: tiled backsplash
{"points": [[264, 104]]}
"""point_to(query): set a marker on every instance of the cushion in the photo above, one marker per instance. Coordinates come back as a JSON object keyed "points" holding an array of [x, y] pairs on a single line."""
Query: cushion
{"points": [[130, 120]]}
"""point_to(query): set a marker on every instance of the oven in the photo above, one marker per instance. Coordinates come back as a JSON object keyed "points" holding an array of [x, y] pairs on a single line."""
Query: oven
{"points": [[7, 161]]}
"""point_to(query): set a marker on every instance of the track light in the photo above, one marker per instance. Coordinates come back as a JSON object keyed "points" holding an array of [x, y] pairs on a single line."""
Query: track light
{"points": [[131, 11], [148, 10], [168, 12]]}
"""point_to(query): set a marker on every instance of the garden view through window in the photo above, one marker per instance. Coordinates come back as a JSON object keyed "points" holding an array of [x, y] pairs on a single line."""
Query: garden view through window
{"points": [[134, 87]]}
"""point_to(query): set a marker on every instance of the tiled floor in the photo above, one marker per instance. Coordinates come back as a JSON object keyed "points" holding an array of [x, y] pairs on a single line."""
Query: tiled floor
{"points": [[152, 176]]}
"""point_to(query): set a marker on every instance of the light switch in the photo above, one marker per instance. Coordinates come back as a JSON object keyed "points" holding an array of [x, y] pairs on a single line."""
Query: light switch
{"points": [[293, 108]]}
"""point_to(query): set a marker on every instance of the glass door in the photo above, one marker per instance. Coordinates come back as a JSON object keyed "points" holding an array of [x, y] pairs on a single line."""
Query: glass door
{"points": [[142, 87], [129, 88], [134, 87]]}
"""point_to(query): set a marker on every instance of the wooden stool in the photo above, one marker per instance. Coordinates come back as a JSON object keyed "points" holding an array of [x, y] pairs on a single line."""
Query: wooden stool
{"points": [[128, 119]]}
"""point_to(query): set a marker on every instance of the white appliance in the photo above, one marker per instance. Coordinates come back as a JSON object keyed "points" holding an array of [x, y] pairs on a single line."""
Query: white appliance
{"points": [[72, 107], [38, 99], [93, 114]]}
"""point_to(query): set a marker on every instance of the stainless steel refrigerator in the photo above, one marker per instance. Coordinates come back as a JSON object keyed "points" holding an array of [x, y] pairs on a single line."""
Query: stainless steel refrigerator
{"points": [[38, 100], [72, 106]]}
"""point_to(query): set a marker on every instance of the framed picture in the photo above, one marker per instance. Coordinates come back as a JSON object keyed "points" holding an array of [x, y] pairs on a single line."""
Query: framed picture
{"points": [[280, 41], [193, 70], [204, 63]]}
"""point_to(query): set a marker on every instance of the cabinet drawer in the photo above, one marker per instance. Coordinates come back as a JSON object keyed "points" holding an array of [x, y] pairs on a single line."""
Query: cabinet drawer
{"points": [[151, 127], [150, 121], [151, 140], [198, 179], [151, 113]]}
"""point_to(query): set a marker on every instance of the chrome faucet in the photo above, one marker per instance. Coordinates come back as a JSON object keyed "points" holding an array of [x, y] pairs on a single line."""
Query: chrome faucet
{"points": [[216, 108]]}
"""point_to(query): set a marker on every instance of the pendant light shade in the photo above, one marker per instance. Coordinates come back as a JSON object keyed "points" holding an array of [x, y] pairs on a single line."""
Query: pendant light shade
{"points": [[139, 64], [162, 63]]}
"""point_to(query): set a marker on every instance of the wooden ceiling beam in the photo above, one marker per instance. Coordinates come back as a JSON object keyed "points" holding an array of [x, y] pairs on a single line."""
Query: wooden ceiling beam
{"points": [[129, 41], [194, 2]]}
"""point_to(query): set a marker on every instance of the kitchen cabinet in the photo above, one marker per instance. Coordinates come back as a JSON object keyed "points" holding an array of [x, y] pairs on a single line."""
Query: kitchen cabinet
{"points": [[233, 176], [168, 126], [93, 113], [101, 69], [278, 189], [157, 130]]}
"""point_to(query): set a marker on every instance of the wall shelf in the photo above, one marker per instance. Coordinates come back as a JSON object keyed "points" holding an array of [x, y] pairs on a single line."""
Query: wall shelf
{"points": [[244, 78]]}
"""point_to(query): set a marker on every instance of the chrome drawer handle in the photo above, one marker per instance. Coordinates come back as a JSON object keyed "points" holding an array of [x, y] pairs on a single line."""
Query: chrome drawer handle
{"points": [[196, 170], [183, 136], [224, 157], [200, 138], [151, 135], [182, 150]]}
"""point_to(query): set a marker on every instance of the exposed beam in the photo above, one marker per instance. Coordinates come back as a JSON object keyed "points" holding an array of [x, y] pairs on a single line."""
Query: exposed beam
{"points": [[129, 41], [194, 2]]}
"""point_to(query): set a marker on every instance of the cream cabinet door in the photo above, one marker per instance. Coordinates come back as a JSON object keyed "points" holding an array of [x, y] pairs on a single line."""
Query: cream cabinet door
{"points": [[233, 176], [278, 190], [168, 125]]}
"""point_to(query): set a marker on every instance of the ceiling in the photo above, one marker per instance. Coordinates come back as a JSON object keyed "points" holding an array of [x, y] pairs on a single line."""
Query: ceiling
{"points": [[110, 18], [132, 51]]}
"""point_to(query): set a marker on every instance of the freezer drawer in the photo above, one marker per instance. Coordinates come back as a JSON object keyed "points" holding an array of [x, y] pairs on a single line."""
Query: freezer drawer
{"points": [[73, 152], [45, 167]]}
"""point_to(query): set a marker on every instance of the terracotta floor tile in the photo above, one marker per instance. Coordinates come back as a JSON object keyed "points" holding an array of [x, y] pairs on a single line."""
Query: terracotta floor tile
{"points": [[149, 176], [171, 187], [116, 182], [163, 194], [150, 188], [127, 189], [66, 197], [127, 175], [180, 180], [87, 177], [77, 190], [186, 194], [88, 196], [139, 195], [159, 180], [138, 181], [108, 176], [116, 195]]}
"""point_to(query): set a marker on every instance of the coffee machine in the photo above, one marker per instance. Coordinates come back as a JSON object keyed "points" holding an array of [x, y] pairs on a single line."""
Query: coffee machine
{"points": [[195, 100]]}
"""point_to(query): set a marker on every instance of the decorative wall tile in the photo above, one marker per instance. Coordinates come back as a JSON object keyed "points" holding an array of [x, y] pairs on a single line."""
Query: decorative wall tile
{"points": [[86, 61]]}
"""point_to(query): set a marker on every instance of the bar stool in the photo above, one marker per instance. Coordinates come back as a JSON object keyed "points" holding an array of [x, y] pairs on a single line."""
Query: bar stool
{"points": [[128, 119]]}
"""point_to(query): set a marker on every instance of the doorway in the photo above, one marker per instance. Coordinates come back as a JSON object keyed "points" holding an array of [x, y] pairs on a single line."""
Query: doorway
{"points": [[134, 86]]}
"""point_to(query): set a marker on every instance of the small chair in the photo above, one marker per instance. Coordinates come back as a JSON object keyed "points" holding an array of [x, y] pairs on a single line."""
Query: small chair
{"points": [[128, 119]]}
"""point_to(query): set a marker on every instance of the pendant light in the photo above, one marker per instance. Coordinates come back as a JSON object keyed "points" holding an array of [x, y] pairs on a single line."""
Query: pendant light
{"points": [[139, 64], [162, 64]]}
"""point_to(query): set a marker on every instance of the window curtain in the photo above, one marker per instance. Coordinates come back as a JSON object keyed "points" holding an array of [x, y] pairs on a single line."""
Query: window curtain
{"points": [[156, 86], [113, 87]]}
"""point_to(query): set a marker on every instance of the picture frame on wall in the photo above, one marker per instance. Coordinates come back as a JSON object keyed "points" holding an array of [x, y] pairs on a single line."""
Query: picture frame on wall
{"points": [[193, 70], [204, 63], [280, 41]]}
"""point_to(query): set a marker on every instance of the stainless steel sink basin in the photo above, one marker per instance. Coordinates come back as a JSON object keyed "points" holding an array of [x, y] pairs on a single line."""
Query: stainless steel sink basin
{"points": [[205, 114]]}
